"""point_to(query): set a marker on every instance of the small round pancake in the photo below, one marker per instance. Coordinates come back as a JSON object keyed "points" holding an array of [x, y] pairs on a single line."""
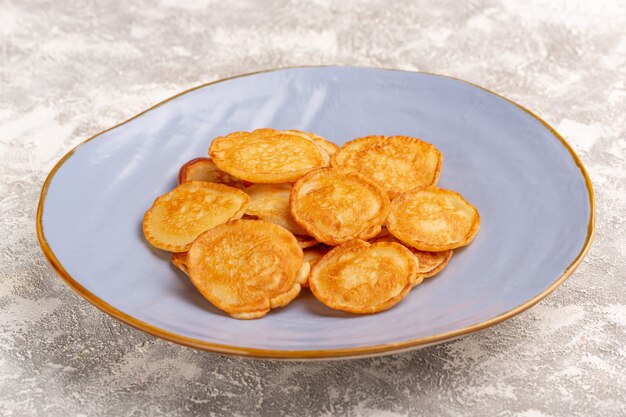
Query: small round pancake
{"points": [[335, 205], [203, 169], [177, 218], [311, 256], [179, 259], [428, 263], [270, 202], [433, 219], [396, 163], [362, 278], [246, 267], [267, 155]]}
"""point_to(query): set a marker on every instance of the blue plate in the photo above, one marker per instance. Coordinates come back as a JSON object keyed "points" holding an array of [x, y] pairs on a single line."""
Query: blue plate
{"points": [[533, 194]]}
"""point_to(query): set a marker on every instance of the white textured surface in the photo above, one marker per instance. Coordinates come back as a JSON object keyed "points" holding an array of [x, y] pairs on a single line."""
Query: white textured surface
{"points": [[71, 69]]}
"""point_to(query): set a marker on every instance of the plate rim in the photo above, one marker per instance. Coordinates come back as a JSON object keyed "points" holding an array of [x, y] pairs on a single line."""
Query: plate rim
{"points": [[346, 353]]}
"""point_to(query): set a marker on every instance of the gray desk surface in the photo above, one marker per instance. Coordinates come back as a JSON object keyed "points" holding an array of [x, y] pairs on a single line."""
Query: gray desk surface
{"points": [[71, 69]]}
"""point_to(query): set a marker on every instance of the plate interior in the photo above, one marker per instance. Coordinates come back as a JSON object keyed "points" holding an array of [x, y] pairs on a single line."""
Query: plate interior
{"points": [[531, 195]]}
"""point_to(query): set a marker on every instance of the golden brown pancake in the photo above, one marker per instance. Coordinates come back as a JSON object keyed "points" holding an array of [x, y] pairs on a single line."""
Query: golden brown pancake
{"points": [[396, 163], [433, 219], [268, 156], [246, 267], [177, 218], [334, 205], [362, 278]]}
